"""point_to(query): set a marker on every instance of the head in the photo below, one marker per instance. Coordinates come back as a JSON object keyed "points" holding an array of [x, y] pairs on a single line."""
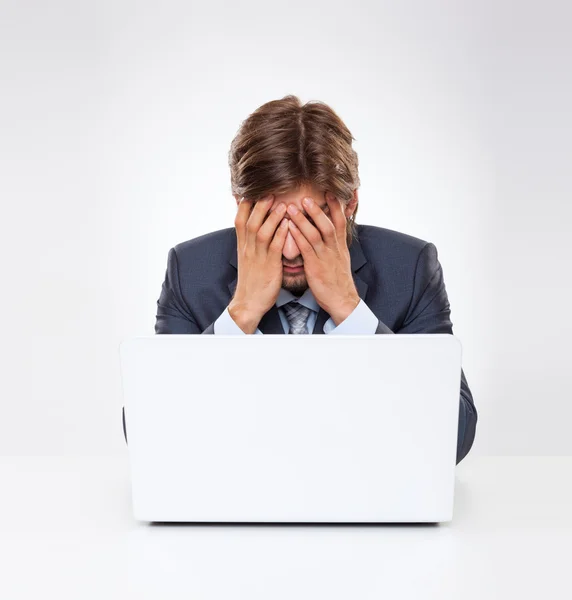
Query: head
{"points": [[293, 151]]}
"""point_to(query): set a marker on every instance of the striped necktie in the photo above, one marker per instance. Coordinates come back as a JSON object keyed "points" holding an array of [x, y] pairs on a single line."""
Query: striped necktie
{"points": [[297, 316]]}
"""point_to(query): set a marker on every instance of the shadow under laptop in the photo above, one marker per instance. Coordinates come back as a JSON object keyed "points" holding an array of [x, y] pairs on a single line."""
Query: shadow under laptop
{"points": [[281, 524]]}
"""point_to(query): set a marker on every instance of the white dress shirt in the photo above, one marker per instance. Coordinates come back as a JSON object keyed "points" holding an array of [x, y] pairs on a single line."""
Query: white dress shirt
{"points": [[360, 321]]}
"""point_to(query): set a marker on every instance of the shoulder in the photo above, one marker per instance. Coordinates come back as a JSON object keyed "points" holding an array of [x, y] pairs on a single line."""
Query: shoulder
{"points": [[397, 257], [382, 235], [210, 248], [393, 254], [379, 243]]}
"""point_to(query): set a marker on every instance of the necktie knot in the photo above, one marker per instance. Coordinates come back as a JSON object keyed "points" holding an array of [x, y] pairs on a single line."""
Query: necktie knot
{"points": [[297, 316]]}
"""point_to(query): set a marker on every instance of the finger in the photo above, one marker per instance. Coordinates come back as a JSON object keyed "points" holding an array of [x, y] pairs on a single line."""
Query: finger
{"points": [[266, 231], [311, 233], [324, 225], [279, 238], [261, 208], [242, 214], [337, 213], [305, 246]]}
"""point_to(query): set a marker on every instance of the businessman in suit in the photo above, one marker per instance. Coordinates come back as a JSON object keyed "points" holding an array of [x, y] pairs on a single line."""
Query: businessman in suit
{"points": [[295, 261]]}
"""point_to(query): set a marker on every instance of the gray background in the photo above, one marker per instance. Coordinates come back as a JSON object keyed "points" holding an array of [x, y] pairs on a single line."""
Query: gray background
{"points": [[116, 120]]}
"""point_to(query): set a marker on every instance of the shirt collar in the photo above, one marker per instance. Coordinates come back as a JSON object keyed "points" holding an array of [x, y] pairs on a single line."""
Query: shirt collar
{"points": [[306, 299]]}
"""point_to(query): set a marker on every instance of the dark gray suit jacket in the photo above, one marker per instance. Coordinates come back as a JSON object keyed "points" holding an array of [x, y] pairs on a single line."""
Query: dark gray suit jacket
{"points": [[398, 276]]}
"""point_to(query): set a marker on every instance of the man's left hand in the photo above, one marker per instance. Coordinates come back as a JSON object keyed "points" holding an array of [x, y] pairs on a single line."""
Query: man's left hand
{"points": [[327, 262]]}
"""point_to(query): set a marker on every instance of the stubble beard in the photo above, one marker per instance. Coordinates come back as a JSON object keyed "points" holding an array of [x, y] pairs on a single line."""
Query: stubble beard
{"points": [[295, 284]]}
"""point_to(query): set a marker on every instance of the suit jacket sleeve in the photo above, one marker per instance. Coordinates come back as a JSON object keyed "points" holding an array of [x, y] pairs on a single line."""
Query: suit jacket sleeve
{"points": [[173, 313], [429, 312]]}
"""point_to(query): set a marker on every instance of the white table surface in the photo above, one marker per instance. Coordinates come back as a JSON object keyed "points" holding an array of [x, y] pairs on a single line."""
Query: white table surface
{"points": [[67, 532]]}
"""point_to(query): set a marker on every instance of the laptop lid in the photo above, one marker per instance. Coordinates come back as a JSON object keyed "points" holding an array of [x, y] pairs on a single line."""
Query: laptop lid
{"points": [[283, 428]]}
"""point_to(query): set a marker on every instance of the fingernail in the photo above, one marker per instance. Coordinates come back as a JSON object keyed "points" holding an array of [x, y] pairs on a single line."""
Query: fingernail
{"points": [[281, 207], [292, 209], [308, 201]]}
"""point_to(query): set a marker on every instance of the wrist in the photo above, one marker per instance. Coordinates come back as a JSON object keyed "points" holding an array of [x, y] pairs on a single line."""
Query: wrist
{"points": [[246, 318], [344, 309]]}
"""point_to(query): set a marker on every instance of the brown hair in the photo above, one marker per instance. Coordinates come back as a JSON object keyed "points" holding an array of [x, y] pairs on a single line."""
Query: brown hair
{"points": [[283, 145]]}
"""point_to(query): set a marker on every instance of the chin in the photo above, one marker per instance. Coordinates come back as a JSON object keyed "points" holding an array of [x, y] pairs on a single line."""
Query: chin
{"points": [[296, 284]]}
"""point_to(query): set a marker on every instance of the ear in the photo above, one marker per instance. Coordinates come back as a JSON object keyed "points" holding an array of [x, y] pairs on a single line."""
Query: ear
{"points": [[351, 205], [237, 198]]}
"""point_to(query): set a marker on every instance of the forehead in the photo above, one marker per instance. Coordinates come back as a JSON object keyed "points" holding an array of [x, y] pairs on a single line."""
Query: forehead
{"points": [[296, 196]]}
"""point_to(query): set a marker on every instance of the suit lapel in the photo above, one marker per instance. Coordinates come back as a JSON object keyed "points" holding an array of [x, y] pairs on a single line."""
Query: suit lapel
{"points": [[271, 323]]}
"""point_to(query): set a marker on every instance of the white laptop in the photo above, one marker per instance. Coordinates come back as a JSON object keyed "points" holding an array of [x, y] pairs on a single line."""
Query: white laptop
{"points": [[286, 428]]}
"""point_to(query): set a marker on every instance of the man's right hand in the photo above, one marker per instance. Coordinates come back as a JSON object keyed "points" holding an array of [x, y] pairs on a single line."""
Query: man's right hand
{"points": [[259, 248]]}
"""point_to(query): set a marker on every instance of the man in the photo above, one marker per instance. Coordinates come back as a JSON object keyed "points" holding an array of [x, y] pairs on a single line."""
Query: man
{"points": [[295, 261]]}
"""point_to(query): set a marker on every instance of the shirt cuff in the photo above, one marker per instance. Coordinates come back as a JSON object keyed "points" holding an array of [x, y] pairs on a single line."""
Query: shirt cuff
{"points": [[225, 325], [361, 321]]}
